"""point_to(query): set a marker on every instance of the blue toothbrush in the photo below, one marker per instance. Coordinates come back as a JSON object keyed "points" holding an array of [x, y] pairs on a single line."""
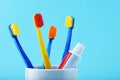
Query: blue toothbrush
{"points": [[69, 24], [51, 35], [15, 31]]}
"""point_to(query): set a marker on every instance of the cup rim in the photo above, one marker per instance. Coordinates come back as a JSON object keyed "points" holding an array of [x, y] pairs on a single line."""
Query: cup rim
{"points": [[54, 69]]}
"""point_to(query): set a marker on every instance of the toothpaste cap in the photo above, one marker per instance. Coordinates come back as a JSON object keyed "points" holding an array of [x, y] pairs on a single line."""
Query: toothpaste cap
{"points": [[79, 48]]}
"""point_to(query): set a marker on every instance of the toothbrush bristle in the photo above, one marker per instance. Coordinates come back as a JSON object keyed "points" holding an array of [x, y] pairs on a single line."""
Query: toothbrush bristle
{"points": [[14, 29], [52, 32], [38, 21], [69, 22]]}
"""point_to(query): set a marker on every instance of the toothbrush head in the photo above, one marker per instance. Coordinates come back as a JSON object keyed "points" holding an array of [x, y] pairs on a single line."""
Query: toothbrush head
{"points": [[14, 29], [69, 22], [52, 32], [38, 21]]}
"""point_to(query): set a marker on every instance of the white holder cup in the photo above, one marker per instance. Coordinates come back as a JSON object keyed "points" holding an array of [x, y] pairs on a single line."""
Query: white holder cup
{"points": [[50, 74]]}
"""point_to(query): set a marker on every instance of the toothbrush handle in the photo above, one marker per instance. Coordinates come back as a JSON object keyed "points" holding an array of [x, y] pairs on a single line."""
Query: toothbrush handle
{"points": [[49, 47], [24, 56], [48, 50], [67, 46], [44, 53]]}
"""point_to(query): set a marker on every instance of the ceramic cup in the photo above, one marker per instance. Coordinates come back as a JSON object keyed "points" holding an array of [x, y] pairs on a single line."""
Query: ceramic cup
{"points": [[50, 74]]}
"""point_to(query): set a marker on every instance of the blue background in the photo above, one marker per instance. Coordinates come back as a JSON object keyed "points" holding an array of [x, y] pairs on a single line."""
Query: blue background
{"points": [[97, 26]]}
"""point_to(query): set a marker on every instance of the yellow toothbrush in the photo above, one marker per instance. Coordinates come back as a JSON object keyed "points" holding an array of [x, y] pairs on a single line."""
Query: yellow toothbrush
{"points": [[38, 21]]}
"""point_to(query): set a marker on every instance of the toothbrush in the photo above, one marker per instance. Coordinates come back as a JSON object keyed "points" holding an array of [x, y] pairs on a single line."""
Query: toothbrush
{"points": [[15, 31], [38, 22], [51, 36], [69, 24]]}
